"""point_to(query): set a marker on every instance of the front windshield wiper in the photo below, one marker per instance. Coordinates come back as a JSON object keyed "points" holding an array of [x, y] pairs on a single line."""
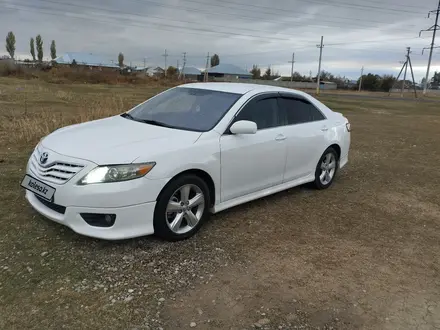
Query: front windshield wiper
{"points": [[155, 122], [127, 115], [146, 121]]}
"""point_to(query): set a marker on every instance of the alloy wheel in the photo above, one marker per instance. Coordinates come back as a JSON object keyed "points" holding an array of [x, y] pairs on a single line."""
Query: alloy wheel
{"points": [[328, 168], [185, 209]]}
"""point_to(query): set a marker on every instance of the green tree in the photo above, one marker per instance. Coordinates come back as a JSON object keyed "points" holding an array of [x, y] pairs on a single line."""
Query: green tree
{"points": [[215, 60], [371, 82], [171, 71], [387, 82], [39, 42], [32, 46], [327, 76], [256, 72], [121, 60], [435, 81], [267, 74], [53, 50], [10, 43], [298, 77]]}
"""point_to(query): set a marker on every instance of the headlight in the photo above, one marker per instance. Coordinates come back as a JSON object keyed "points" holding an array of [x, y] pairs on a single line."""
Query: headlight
{"points": [[116, 173]]}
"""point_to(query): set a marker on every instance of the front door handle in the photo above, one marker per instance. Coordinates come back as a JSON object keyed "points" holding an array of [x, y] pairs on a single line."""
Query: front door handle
{"points": [[324, 128], [280, 137]]}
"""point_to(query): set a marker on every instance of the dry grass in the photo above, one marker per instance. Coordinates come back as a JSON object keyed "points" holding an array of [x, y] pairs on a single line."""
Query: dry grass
{"points": [[33, 109], [361, 255]]}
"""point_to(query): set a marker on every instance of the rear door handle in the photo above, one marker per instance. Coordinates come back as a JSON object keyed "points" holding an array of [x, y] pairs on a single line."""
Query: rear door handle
{"points": [[324, 128], [280, 137]]}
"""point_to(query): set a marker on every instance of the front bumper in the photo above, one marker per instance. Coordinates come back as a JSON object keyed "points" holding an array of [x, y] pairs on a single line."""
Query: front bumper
{"points": [[133, 202], [131, 221]]}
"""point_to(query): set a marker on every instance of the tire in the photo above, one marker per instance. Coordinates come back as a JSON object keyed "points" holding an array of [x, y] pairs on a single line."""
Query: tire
{"points": [[322, 180], [181, 221]]}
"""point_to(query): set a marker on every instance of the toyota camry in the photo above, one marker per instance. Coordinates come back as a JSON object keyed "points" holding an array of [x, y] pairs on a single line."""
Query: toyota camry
{"points": [[164, 166]]}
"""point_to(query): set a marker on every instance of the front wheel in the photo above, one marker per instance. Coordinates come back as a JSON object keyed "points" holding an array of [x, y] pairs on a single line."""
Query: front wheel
{"points": [[326, 169], [181, 209]]}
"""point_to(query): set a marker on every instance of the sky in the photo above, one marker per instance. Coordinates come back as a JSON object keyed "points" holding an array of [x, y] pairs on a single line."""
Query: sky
{"points": [[372, 34]]}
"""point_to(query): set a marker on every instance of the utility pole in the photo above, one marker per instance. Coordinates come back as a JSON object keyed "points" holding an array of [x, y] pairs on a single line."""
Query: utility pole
{"points": [[145, 65], [206, 68], [434, 29], [360, 80], [406, 69], [184, 63], [318, 81], [291, 70], [165, 55]]}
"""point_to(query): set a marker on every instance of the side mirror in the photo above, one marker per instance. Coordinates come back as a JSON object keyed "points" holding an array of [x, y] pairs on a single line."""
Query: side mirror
{"points": [[244, 127]]}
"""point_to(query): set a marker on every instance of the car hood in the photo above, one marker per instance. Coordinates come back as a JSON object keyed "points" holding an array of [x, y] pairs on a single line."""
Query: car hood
{"points": [[116, 140]]}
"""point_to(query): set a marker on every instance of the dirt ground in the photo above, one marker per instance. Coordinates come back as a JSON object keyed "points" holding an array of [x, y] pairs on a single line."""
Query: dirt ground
{"points": [[361, 255]]}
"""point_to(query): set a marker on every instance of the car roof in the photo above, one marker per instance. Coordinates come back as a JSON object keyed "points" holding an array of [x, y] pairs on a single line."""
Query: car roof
{"points": [[239, 88]]}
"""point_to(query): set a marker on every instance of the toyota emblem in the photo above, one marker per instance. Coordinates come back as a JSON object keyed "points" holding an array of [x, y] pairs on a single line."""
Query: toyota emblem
{"points": [[43, 158]]}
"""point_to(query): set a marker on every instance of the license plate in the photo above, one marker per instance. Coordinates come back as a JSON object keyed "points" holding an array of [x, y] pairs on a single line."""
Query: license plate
{"points": [[37, 187]]}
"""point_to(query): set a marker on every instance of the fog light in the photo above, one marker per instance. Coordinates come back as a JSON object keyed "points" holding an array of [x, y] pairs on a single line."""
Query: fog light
{"points": [[99, 220], [108, 218]]}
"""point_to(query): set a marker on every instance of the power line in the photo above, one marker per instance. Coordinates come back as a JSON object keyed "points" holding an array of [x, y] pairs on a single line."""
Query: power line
{"points": [[153, 26], [284, 10], [149, 16], [262, 19], [352, 5], [394, 4], [334, 44], [161, 26]]}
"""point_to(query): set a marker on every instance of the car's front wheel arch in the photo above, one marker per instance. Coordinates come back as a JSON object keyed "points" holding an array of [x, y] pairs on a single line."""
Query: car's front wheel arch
{"points": [[202, 175], [336, 148]]}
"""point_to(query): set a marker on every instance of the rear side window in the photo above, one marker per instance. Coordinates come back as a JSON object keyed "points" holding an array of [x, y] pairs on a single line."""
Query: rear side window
{"points": [[263, 112], [299, 111]]}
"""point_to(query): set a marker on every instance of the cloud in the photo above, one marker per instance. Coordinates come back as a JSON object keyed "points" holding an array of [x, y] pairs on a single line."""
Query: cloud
{"points": [[243, 32]]}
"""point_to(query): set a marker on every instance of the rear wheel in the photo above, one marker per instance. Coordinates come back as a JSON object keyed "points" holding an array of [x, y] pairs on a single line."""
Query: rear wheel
{"points": [[181, 209], [326, 169]]}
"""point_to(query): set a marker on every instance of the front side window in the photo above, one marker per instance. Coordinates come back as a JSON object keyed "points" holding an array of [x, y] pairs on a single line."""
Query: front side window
{"points": [[263, 112], [185, 108], [299, 111]]}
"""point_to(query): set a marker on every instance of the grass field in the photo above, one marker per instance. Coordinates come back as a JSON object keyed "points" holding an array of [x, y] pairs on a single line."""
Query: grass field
{"points": [[361, 255]]}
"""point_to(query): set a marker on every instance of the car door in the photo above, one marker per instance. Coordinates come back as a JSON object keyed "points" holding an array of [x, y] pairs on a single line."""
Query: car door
{"points": [[252, 162], [305, 136]]}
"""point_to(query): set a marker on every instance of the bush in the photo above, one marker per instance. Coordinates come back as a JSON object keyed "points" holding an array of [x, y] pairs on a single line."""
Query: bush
{"points": [[65, 74]]}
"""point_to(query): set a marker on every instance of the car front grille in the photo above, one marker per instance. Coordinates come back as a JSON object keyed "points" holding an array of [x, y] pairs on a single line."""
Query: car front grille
{"points": [[55, 171], [54, 207]]}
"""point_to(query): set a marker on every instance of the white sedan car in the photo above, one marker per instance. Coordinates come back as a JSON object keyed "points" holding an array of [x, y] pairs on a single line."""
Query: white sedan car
{"points": [[164, 166]]}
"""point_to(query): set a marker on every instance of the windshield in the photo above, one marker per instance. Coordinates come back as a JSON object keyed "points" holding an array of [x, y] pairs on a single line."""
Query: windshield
{"points": [[185, 108]]}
